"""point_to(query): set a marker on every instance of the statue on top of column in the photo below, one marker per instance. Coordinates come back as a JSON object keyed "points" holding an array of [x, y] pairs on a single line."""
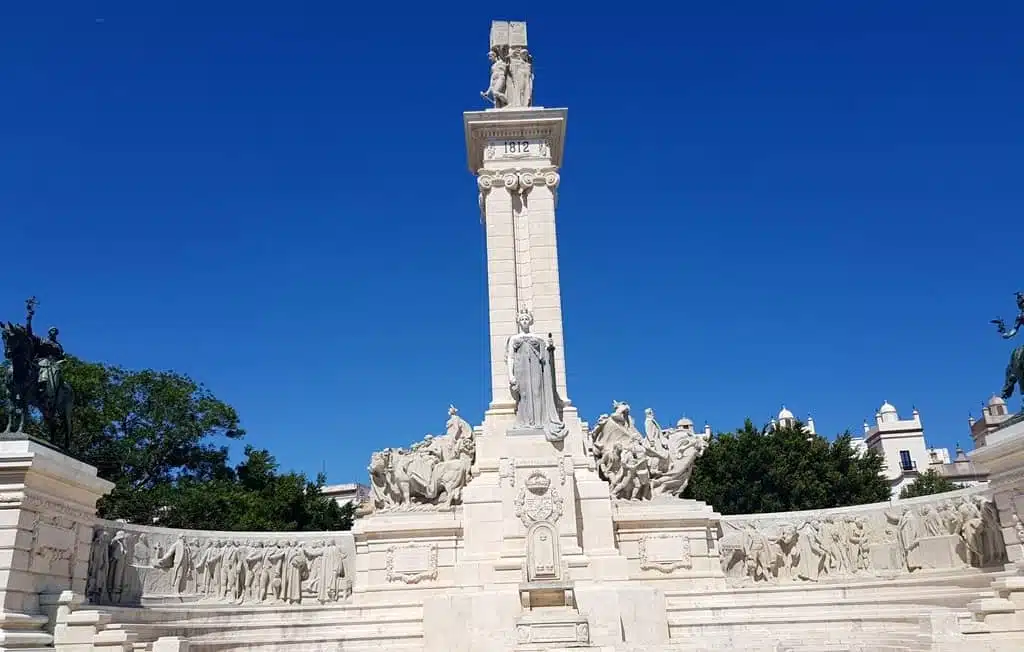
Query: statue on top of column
{"points": [[1015, 369], [531, 378], [33, 378], [511, 82]]}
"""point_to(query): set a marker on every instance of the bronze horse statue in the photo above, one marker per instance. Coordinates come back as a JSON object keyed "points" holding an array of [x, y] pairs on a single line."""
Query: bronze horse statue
{"points": [[27, 387]]}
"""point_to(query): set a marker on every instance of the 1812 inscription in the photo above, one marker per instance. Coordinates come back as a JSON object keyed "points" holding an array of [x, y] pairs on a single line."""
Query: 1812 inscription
{"points": [[516, 147], [498, 149]]}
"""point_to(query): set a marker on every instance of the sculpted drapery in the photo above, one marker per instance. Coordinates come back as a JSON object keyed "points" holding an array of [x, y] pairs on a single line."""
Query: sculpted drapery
{"points": [[531, 379]]}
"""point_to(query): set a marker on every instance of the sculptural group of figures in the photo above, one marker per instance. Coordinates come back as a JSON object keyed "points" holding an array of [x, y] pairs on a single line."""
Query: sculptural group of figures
{"points": [[639, 467], [125, 565], [32, 377], [433, 471], [950, 533], [511, 82]]}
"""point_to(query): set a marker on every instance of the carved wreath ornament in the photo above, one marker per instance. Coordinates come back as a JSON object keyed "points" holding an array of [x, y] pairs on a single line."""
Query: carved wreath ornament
{"points": [[538, 500]]}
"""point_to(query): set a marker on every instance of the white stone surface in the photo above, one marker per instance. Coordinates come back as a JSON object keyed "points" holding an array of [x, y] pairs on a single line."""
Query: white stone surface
{"points": [[47, 508]]}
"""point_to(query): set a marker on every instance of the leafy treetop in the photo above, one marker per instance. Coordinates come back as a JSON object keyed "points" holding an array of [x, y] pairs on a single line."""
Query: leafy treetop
{"points": [[928, 483], [753, 472], [161, 438]]}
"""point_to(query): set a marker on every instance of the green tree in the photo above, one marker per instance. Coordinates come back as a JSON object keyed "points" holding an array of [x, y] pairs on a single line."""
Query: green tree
{"points": [[162, 439], [750, 472], [928, 483]]}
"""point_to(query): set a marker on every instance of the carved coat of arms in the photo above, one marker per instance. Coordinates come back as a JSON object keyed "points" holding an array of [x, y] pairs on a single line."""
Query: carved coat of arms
{"points": [[538, 500]]}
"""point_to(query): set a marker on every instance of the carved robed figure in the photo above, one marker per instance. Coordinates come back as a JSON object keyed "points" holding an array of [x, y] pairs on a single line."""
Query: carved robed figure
{"points": [[531, 379]]}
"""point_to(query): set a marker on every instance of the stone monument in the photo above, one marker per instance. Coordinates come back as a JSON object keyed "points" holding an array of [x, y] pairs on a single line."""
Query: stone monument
{"points": [[538, 525], [530, 532]]}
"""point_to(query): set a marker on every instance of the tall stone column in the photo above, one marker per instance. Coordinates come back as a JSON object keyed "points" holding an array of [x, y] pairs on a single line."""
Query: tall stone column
{"points": [[515, 155]]}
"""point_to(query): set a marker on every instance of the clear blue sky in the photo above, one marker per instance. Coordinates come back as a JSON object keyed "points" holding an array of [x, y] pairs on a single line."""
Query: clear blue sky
{"points": [[811, 203]]}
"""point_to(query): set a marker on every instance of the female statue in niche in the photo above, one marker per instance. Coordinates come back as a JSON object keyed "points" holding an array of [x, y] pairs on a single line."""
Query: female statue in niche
{"points": [[531, 378]]}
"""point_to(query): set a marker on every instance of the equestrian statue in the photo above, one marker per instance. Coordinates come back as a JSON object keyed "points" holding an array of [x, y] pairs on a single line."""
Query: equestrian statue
{"points": [[33, 378]]}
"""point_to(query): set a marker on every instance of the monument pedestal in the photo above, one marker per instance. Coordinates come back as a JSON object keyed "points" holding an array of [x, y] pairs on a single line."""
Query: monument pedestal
{"points": [[1003, 457], [407, 549], [47, 512], [670, 539]]}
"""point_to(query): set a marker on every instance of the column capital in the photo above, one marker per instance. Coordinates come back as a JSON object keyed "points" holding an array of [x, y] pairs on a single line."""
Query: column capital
{"points": [[518, 178]]}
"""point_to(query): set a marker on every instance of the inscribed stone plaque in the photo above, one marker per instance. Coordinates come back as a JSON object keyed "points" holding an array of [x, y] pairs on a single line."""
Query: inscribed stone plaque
{"points": [[664, 552], [517, 33], [553, 633], [502, 150], [412, 563], [52, 550], [543, 553], [499, 33]]}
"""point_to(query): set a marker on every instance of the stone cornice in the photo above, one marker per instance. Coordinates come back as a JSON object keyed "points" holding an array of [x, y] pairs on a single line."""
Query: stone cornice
{"points": [[514, 124]]}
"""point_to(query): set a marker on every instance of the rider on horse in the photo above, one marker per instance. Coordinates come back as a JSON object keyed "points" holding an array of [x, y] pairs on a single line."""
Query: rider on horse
{"points": [[1014, 370], [47, 355]]}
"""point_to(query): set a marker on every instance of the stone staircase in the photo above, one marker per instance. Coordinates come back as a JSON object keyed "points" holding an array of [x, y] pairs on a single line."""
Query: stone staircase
{"points": [[883, 614], [997, 617], [392, 626]]}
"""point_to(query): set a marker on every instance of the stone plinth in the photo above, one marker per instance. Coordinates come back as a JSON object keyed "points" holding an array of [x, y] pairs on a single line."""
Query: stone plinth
{"points": [[1003, 457], [405, 550], [670, 539], [47, 512]]}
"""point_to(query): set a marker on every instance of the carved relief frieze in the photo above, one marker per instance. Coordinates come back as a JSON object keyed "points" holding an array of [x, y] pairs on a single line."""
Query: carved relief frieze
{"points": [[537, 500], [946, 531], [412, 563], [126, 563], [664, 552]]}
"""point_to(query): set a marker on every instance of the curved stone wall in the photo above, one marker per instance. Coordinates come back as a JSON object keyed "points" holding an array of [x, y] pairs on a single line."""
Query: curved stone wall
{"points": [[953, 530], [132, 565]]}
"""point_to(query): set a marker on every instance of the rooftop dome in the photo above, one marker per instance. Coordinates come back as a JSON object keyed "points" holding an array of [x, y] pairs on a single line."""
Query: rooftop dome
{"points": [[684, 422], [887, 408], [785, 414], [996, 400]]}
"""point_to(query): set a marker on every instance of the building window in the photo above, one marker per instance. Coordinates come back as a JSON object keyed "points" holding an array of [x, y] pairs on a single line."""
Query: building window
{"points": [[906, 463]]}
